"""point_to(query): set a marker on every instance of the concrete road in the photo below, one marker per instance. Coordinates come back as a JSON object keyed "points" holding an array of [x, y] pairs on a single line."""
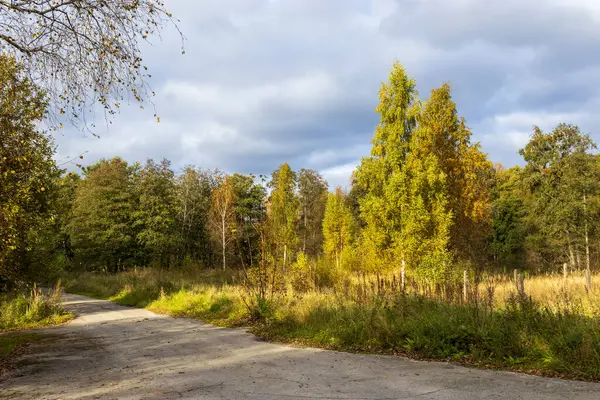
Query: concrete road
{"points": [[114, 352]]}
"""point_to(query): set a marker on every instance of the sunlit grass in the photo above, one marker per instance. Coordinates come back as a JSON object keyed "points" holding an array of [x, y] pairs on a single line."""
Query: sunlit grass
{"points": [[32, 310]]}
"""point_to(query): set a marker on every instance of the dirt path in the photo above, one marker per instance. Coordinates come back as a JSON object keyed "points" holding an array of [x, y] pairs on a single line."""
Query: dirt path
{"points": [[114, 352]]}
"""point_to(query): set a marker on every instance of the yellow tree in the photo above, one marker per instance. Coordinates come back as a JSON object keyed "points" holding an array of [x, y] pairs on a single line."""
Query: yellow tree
{"points": [[382, 217], [443, 190], [284, 210], [467, 171], [338, 227], [222, 215]]}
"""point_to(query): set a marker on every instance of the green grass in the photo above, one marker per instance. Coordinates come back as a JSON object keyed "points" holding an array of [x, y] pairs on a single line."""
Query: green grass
{"points": [[35, 309], [519, 335]]}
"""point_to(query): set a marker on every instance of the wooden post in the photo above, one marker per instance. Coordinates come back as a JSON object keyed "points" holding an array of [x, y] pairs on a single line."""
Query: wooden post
{"points": [[588, 281], [465, 290], [403, 276], [565, 274], [516, 278], [522, 284]]}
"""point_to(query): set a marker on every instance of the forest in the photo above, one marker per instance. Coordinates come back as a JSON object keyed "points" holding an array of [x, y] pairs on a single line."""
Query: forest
{"points": [[427, 196], [430, 232]]}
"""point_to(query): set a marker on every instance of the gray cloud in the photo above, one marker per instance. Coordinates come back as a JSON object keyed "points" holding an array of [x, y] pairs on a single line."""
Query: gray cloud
{"points": [[268, 81]]}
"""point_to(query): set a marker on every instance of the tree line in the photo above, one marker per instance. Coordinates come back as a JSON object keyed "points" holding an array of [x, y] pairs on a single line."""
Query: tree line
{"points": [[427, 196]]}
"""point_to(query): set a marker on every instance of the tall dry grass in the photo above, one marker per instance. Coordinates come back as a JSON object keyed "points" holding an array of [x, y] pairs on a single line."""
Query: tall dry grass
{"points": [[35, 308]]}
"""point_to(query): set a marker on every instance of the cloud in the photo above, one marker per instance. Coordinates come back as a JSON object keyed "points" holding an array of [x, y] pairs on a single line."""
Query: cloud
{"points": [[268, 81]]}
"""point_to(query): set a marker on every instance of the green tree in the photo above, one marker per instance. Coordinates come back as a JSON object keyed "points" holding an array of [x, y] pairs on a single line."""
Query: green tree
{"points": [[338, 228], [420, 190], [562, 182], [382, 218], [283, 215], [250, 212], [27, 171], [507, 241], [312, 197], [51, 251], [194, 188], [101, 228], [156, 218]]}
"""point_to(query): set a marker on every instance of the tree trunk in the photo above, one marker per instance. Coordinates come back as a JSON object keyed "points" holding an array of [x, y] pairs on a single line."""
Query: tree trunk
{"points": [[284, 257], [587, 242], [571, 257], [305, 232], [250, 255], [223, 240]]}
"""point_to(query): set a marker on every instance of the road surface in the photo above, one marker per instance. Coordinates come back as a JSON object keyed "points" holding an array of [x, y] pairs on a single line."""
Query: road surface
{"points": [[115, 352]]}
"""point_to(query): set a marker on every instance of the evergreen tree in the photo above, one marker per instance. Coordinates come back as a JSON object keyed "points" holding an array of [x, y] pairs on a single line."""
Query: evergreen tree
{"points": [[250, 212], [156, 218], [101, 228], [312, 196], [507, 241]]}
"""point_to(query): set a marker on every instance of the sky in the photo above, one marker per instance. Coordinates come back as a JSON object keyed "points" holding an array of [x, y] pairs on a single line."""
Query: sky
{"points": [[264, 82]]}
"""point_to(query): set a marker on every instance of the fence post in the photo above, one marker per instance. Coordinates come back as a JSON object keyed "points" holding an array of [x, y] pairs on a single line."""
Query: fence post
{"points": [[465, 282], [565, 274], [588, 281], [516, 279], [522, 284], [403, 276]]}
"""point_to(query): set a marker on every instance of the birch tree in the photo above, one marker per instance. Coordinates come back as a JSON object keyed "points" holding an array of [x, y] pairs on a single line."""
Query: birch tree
{"points": [[83, 52], [223, 216]]}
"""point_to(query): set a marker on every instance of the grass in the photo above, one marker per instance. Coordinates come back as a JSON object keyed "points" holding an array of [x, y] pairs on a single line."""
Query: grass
{"points": [[19, 311], [554, 330]]}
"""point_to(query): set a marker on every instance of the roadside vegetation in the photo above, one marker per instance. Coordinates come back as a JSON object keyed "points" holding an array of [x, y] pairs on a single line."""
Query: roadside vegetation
{"points": [[24, 310], [33, 309]]}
